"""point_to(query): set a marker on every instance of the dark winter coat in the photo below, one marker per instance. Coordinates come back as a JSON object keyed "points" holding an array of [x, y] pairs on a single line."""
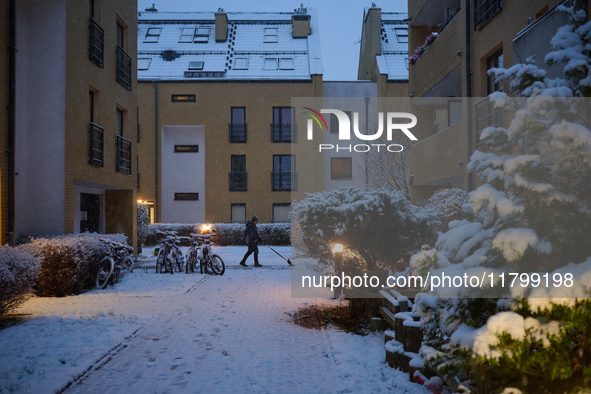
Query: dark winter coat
{"points": [[251, 236]]}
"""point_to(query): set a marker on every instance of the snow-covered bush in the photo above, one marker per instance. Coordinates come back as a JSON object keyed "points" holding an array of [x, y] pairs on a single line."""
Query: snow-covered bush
{"points": [[69, 263], [532, 216], [18, 271], [451, 205], [379, 226], [226, 233], [143, 220]]}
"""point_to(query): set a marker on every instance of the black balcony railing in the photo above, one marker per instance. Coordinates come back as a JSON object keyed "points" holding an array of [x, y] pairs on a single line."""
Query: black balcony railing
{"points": [[237, 132], [123, 155], [123, 68], [281, 132], [486, 115], [96, 50], [96, 144], [283, 181], [238, 181], [484, 10]]}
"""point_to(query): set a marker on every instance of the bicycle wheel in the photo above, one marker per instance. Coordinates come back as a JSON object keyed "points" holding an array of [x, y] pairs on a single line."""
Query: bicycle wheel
{"points": [[169, 260], [127, 264], [160, 262], [189, 263], [217, 265], [106, 267]]}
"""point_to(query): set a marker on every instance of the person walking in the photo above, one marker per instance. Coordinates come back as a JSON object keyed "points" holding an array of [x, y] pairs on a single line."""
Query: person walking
{"points": [[251, 238]]}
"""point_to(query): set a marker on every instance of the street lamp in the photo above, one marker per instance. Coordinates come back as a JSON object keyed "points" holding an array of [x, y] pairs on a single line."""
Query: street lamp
{"points": [[337, 250]]}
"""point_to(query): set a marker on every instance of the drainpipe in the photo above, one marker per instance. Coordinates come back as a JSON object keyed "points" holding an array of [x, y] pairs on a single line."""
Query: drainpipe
{"points": [[468, 90], [10, 143], [366, 131], [156, 199]]}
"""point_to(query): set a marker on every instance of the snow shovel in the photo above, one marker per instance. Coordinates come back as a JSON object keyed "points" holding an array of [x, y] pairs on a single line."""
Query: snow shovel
{"points": [[288, 260]]}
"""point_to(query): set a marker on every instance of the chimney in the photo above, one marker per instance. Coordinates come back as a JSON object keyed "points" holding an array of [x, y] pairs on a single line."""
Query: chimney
{"points": [[221, 26], [300, 23]]}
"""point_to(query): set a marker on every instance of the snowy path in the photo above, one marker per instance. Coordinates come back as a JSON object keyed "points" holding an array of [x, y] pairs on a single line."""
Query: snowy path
{"points": [[211, 334]]}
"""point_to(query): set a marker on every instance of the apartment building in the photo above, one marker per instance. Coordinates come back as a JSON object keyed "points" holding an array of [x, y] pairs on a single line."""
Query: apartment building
{"points": [[75, 117], [455, 43], [216, 122]]}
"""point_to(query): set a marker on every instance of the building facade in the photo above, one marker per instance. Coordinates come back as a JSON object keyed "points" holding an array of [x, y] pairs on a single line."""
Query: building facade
{"points": [[216, 114], [455, 43], [75, 117]]}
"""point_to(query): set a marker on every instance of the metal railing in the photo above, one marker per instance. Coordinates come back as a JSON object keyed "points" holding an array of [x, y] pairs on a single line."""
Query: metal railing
{"points": [[484, 11], [237, 132], [485, 115], [123, 155], [282, 132], [123, 68], [238, 181], [283, 181], [96, 144], [96, 51]]}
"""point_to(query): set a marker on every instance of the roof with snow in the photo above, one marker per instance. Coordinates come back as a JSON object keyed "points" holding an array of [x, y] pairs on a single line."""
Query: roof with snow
{"points": [[394, 58], [181, 46]]}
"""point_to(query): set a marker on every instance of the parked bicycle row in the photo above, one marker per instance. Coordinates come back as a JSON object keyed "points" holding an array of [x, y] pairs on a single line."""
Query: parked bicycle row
{"points": [[171, 259]]}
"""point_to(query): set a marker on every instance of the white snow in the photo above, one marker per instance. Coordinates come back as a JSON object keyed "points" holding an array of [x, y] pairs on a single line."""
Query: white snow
{"points": [[154, 333]]}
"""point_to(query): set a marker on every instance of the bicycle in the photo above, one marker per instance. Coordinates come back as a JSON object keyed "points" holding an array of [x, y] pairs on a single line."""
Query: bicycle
{"points": [[169, 255], [119, 259], [202, 254]]}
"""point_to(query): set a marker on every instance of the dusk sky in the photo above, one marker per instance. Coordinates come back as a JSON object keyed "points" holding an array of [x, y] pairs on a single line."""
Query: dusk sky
{"points": [[339, 23]]}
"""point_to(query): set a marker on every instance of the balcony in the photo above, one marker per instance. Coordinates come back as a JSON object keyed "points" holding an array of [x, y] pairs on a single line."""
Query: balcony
{"points": [[238, 181], [283, 181], [436, 160], [485, 115], [96, 142], [439, 60], [237, 132], [96, 51], [123, 68], [123, 155], [281, 132]]}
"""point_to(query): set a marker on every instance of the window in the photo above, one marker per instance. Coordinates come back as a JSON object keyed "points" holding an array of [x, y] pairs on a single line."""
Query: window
{"points": [[270, 63], [454, 110], [97, 43], [121, 30], [270, 34], [281, 212], [186, 148], [119, 122], [186, 196], [238, 174], [202, 34], [334, 122], [401, 34], [284, 176], [197, 65], [286, 63], [91, 104], [180, 98], [143, 63], [92, 7], [341, 168], [238, 125], [123, 60], [493, 61], [241, 63], [281, 128], [187, 34], [153, 34], [238, 213], [484, 11]]}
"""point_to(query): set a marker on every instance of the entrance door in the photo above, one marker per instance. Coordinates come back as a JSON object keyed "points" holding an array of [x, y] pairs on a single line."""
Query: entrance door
{"points": [[90, 212]]}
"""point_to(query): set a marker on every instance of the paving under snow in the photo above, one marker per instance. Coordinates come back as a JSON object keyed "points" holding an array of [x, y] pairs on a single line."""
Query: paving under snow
{"points": [[162, 333]]}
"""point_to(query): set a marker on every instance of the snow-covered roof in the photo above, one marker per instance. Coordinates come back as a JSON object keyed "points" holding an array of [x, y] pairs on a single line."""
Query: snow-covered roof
{"points": [[394, 46], [181, 46]]}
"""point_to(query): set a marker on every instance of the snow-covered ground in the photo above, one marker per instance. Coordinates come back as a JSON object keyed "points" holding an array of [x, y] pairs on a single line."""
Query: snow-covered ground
{"points": [[190, 333]]}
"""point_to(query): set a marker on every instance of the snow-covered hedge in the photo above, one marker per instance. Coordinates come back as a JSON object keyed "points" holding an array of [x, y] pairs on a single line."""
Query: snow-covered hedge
{"points": [[227, 234], [18, 271], [378, 226], [532, 216], [143, 220], [451, 205], [69, 263]]}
